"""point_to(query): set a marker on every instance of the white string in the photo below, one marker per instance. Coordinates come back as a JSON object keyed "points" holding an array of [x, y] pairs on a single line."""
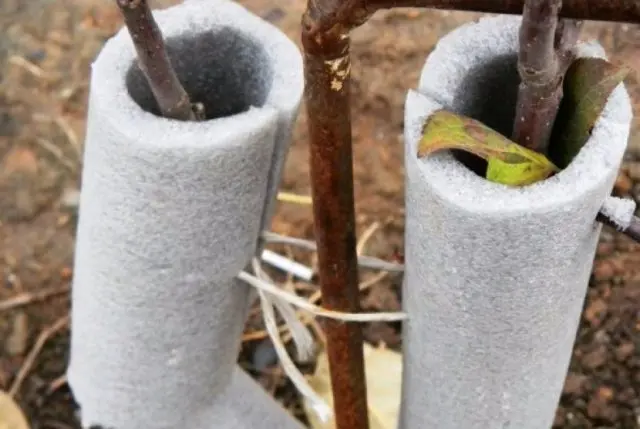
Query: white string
{"points": [[299, 333], [317, 404], [370, 262], [316, 310], [272, 296]]}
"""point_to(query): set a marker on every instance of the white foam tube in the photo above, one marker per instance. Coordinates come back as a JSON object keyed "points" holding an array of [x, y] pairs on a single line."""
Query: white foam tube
{"points": [[170, 213], [495, 276]]}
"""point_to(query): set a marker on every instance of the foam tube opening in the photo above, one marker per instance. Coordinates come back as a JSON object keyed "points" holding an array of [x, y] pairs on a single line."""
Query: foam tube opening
{"points": [[494, 102], [472, 71], [241, 80], [496, 276], [170, 211]]}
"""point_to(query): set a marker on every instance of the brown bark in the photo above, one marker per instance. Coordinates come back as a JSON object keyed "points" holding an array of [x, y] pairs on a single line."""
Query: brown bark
{"points": [[154, 62], [632, 231], [546, 45]]}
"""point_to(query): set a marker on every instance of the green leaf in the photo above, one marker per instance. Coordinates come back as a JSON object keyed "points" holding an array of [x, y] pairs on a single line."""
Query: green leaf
{"points": [[587, 86], [509, 163]]}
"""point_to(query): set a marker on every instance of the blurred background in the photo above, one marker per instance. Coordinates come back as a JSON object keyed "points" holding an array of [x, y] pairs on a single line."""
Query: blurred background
{"points": [[46, 48]]}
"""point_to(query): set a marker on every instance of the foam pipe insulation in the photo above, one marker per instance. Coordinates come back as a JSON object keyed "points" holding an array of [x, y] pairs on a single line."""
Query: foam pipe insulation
{"points": [[495, 276], [170, 212]]}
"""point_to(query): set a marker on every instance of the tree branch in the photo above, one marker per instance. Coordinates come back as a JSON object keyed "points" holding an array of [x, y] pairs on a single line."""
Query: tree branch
{"points": [[545, 55], [632, 231], [154, 62]]}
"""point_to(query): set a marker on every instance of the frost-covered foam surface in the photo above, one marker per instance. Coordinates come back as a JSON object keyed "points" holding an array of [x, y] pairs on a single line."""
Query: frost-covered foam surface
{"points": [[620, 211], [487, 50], [496, 276], [233, 49], [169, 213]]}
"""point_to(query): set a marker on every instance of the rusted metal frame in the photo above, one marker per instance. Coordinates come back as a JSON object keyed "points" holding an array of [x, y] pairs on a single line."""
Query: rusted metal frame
{"points": [[326, 26], [327, 70], [351, 13], [594, 10]]}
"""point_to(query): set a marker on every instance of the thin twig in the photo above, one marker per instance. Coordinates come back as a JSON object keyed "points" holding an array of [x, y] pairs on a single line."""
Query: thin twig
{"points": [[261, 334], [288, 197], [57, 383], [69, 133], [546, 46], [60, 324], [284, 330], [56, 152], [632, 231], [372, 281], [154, 61], [365, 237], [26, 298], [54, 424], [30, 67]]}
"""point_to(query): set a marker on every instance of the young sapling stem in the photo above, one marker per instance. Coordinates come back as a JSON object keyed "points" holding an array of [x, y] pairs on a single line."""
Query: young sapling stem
{"points": [[546, 45], [172, 99]]}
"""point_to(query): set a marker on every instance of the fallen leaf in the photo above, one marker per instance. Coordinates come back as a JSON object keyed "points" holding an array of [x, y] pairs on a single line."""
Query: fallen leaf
{"points": [[509, 163], [20, 160], [383, 371], [16, 342], [11, 416], [587, 86]]}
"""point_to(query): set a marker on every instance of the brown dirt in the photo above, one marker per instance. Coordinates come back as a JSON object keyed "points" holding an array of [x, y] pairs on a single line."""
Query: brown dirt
{"points": [[45, 52]]}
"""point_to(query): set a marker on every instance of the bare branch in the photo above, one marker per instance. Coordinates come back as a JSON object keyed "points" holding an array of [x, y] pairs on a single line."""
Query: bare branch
{"points": [[632, 231], [545, 54], [154, 62]]}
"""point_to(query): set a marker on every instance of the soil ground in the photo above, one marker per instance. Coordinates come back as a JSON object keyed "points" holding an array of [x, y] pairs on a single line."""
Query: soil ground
{"points": [[46, 48]]}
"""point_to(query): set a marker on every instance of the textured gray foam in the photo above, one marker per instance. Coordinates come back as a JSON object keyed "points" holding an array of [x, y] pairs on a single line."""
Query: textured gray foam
{"points": [[170, 212], [620, 211], [496, 276]]}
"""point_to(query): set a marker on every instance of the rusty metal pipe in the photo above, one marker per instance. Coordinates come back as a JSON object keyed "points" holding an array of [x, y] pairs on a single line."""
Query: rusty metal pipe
{"points": [[327, 72], [351, 13], [596, 10]]}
